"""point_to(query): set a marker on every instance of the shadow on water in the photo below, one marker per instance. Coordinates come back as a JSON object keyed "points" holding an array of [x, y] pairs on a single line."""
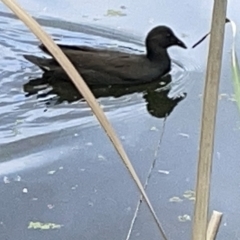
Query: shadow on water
{"points": [[155, 94]]}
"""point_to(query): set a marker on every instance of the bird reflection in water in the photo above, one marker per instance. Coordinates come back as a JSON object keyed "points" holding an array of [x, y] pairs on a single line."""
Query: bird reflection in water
{"points": [[158, 103]]}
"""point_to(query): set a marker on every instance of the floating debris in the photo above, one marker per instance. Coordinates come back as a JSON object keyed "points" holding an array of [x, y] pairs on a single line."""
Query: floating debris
{"points": [[50, 206], [52, 172], [175, 199], [101, 157], [184, 135], [190, 195], [153, 129], [222, 95], [43, 226], [6, 179], [184, 218], [114, 13], [164, 172]]}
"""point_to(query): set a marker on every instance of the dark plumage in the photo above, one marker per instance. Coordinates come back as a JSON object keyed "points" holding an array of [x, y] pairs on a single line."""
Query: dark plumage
{"points": [[107, 67]]}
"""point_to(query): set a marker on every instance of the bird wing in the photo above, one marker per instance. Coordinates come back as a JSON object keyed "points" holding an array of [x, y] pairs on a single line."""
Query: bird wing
{"points": [[122, 65]]}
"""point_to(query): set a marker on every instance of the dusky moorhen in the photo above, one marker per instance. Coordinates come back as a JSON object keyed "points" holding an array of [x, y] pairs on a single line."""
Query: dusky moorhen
{"points": [[107, 67]]}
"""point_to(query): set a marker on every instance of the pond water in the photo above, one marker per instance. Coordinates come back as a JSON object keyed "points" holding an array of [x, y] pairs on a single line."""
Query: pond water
{"points": [[57, 165]]}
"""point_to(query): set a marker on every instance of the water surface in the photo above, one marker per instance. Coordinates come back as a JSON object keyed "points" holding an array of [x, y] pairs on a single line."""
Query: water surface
{"points": [[57, 165]]}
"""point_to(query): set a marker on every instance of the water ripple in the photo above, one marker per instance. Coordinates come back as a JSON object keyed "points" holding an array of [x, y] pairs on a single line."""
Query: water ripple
{"points": [[23, 117]]}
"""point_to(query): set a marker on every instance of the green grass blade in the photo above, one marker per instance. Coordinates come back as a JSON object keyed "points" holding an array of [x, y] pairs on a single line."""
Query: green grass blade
{"points": [[235, 68]]}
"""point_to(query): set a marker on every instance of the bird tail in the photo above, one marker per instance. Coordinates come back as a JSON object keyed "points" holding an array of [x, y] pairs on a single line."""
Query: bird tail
{"points": [[44, 63]]}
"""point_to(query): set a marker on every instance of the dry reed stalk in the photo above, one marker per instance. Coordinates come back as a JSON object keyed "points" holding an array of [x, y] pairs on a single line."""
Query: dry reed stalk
{"points": [[86, 93], [214, 225], [210, 101]]}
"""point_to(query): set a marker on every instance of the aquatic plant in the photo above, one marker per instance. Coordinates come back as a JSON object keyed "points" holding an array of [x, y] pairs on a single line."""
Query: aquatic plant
{"points": [[235, 67]]}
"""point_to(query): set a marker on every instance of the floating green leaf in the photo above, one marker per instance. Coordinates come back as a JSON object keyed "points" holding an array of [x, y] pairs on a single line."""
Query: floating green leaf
{"points": [[115, 13], [190, 195], [43, 226]]}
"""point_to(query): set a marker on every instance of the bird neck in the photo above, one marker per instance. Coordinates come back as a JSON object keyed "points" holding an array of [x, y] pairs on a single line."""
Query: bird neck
{"points": [[157, 54]]}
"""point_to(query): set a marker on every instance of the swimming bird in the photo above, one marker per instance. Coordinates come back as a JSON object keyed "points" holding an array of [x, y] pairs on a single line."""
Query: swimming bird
{"points": [[111, 67]]}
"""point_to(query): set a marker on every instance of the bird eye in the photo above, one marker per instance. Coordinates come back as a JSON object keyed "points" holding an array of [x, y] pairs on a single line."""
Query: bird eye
{"points": [[168, 35]]}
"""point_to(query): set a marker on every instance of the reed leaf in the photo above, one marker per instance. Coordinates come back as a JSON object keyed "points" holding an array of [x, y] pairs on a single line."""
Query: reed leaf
{"points": [[235, 67]]}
